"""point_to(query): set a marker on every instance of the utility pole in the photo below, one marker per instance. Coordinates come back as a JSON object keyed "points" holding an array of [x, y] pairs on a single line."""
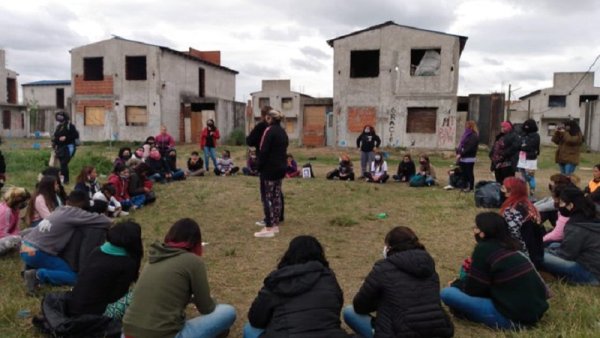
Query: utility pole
{"points": [[508, 104]]}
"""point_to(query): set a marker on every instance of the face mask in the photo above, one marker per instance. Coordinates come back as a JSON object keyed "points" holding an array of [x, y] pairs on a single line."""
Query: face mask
{"points": [[377, 158], [385, 251], [367, 131], [126, 156], [124, 176], [565, 212]]}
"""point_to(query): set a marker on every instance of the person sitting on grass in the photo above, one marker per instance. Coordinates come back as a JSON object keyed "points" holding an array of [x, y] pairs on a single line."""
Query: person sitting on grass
{"points": [[456, 179], [427, 170], [140, 184], [557, 234], [292, 167], [406, 169], [378, 173], [344, 171], [403, 289], [174, 276], [136, 158], [592, 190], [86, 181], [301, 298], [123, 157], [44, 200], [251, 168], [501, 288], [14, 200], [42, 245], [577, 259], [52, 171], [106, 197], [177, 174], [120, 180], [160, 171], [195, 165], [225, 166]]}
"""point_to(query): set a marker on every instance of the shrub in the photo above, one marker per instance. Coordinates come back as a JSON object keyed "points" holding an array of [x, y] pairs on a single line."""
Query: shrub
{"points": [[236, 138]]}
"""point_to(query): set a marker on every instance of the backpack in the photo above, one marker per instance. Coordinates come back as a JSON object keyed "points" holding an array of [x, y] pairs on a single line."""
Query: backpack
{"points": [[488, 194], [417, 181]]}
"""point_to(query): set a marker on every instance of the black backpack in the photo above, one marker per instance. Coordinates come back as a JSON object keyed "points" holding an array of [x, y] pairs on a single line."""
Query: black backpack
{"points": [[488, 194]]}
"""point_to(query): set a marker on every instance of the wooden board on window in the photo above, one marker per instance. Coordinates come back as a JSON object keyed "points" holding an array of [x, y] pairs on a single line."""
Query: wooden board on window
{"points": [[136, 116], [94, 116], [314, 126], [421, 120], [359, 117]]}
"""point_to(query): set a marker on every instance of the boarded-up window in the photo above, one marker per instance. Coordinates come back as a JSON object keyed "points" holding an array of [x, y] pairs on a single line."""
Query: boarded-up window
{"points": [[135, 67], [421, 120], [286, 103], [364, 63], [136, 116], [290, 125], [557, 101], [6, 119], [425, 62], [359, 117], [201, 83], [60, 98], [94, 116], [263, 101], [93, 69], [11, 90]]}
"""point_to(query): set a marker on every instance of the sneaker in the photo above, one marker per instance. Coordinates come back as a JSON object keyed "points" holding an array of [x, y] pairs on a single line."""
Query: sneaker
{"points": [[261, 223], [448, 187], [123, 213], [265, 233], [275, 229], [31, 281]]}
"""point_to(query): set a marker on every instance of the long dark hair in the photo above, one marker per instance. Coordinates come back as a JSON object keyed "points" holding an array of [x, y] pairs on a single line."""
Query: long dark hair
{"points": [[402, 238], [574, 128], [53, 171], [84, 174], [184, 230], [128, 235], [45, 188], [303, 249], [495, 228], [581, 204]]}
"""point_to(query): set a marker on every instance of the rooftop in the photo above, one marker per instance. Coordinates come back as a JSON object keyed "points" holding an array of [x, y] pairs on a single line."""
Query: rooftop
{"points": [[48, 83]]}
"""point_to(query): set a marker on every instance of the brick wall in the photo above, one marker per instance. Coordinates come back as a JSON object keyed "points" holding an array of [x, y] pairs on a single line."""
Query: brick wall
{"points": [[358, 117], [80, 105], [104, 87]]}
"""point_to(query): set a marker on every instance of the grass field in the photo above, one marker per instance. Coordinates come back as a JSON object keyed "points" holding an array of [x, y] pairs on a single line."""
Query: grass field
{"points": [[342, 215]]}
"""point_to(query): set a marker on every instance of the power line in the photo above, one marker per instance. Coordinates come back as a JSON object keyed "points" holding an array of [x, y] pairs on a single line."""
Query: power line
{"points": [[584, 75]]}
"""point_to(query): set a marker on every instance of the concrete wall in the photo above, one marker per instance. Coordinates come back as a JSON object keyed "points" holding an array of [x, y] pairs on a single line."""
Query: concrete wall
{"points": [[45, 96], [395, 89], [3, 76], [276, 91]]}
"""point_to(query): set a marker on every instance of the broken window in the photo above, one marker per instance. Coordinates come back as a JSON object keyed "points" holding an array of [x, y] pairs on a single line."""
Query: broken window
{"points": [[11, 90], [60, 98], [286, 103], [201, 84], [425, 62], [364, 63], [263, 102], [421, 120], [93, 69], [135, 68], [93, 116], [6, 119], [587, 98], [136, 116], [557, 101]]}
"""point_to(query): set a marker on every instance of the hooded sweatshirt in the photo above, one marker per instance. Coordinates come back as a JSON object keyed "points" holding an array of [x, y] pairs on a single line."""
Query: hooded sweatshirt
{"points": [[300, 300], [581, 243], [404, 290], [169, 280]]}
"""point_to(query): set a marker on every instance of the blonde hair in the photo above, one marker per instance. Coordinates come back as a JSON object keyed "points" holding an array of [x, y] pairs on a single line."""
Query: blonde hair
{"points": [[13, 194], [473, 126]]}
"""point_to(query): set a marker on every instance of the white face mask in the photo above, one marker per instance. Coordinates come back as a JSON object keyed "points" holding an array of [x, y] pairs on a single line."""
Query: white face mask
{"points": [[385, 251], [377, 158]]}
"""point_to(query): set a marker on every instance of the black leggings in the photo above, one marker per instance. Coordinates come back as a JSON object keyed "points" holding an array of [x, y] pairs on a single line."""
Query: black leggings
{"points": [[502, 173], [467, 172]]}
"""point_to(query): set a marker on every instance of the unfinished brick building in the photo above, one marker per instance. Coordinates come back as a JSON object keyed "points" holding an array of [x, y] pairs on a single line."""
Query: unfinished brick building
{"points": [[13, 114]]}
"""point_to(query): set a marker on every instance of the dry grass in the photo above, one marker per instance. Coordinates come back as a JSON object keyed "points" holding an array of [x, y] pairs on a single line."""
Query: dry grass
{"points": [[340, 214]]}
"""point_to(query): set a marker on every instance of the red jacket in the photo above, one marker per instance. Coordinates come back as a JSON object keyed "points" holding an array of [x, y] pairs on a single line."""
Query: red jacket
{"points": [[121, 187], [204, 135]]}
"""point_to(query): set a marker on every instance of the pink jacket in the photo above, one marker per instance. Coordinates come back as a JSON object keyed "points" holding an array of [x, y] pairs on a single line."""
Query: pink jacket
{"points": [[9, 221], [557, 234]]}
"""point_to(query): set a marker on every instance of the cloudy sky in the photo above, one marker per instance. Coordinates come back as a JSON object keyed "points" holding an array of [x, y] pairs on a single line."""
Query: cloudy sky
{"points": [[510, 41]]}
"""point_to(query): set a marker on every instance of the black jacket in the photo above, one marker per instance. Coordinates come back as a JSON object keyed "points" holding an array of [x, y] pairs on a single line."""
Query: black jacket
{"points": [[157, 166], [530, 140], [66, 129], [301, 300], [136, 185], [272, 155], [406, 169], [510, 152], [469, 148], [253, 139], [367, 142], [404, 290]]}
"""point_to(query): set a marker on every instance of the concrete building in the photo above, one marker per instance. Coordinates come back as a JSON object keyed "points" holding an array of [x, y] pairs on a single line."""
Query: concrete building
{"points": [[13, 114], [402, 80], [570, 97], [43, 99], [124, 89], [488, 111]]}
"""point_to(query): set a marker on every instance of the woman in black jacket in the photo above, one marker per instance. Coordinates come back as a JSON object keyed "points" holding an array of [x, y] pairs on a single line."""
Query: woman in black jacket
{"points": [[466, 153], [302, 298], [64, 142], [528, 154], [367, 141], [403, 288]]}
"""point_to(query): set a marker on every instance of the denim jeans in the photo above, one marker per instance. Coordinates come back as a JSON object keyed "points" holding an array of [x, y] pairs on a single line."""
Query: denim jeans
{"points": [[137, 200], [476, 309], [251, 331], [209, 325], [156, 177], [361, 324], [212, 153], [177, 174], [571, 271], [366, 157], [567, 168], [50, 269]]}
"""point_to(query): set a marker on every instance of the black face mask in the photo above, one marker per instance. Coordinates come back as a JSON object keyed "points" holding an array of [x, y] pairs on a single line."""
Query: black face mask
{"points": [[477, 238], [565, 212]]}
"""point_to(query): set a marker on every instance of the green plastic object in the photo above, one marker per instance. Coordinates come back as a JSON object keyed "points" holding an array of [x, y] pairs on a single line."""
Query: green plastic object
{"points": [[382, 215]]}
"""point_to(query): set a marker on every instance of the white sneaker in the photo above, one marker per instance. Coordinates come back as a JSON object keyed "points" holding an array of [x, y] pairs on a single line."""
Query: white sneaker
{"points": [[261, 223], [448, 187], [266, 233], [123, 213]]}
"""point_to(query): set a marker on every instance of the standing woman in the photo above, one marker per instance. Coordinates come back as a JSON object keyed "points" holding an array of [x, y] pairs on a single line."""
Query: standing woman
{"points": [[530, 149], [366, 142], [505, 152], [466, 153], [63, 143], [208, 142], [569, 140]]}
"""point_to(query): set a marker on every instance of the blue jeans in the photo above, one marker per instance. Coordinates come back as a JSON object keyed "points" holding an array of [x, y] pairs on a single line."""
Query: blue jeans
{"points": [[137, 200], [571, 271], [212, 153], [361, 324], [476, 309], [156, 177], [251, 331], [50, 269], [209, 325], [567, 168], [177, 174]]}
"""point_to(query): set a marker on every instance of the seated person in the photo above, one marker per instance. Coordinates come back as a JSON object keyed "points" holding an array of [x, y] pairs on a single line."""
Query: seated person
{"points": [[140, 186], [292, 167], [123, 157], [225, 166], [52, 171], [456, 179], [501, 288], [403, 289], [300, 298], [87, 181], [174, 276], [251, 168], [159, 170], [592, 190], [547, 206], [13, 201], [577, 260], [45, 199], [42, 245], [148, 144], [136, 158], [177, 174], [378, 173], [406, 169], [195, 165], [106, 197], [344, 171], [425, 172], [120, 180], [556, 235]]}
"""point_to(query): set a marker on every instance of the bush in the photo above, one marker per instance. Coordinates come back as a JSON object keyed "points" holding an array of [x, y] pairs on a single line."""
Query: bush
{"points": [[236, 138]]}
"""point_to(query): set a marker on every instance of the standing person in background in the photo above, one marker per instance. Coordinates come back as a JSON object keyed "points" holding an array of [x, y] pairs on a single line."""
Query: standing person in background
{"points": [[569, 140], [530, 149], [367, 141], [164, 141], [208, 143], [63, 142], [505, 152], [466, 153]]}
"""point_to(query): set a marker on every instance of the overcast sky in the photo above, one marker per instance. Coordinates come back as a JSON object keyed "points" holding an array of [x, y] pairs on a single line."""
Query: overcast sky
{"points": [[510, 41]]}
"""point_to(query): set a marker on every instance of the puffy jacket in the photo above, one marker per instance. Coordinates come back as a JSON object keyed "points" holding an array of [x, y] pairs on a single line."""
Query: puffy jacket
{"points": [[569, 147], [121, 187], [301, 300], [581, 243], [530, 140], [272, 154], [367, 142], [404, 290], [505, 150]]}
